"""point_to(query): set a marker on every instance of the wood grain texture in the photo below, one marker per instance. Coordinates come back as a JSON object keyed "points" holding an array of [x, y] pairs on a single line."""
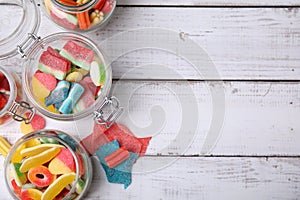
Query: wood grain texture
{"points": [[209, 3], [201, 178], [256, 154], [242, 43], [261, 118]]}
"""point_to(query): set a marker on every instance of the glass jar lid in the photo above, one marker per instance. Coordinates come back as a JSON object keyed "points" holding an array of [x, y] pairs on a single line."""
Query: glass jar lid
{"points": [[18, 19]]}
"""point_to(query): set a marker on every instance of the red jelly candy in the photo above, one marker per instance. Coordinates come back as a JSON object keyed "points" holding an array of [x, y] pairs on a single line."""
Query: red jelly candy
{"points": [[4, 85], [99, 5], [3, 100]]}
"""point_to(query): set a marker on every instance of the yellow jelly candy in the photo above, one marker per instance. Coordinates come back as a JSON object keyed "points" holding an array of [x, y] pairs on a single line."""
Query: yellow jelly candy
{"points": [[17, 158], [39, 159], [50, 108], [32, 142], [38, 89], [58, 185], [32, 151], [74, 77], [31, 193], [4, 146], [81, 71], [25, 128], [37, 123]]}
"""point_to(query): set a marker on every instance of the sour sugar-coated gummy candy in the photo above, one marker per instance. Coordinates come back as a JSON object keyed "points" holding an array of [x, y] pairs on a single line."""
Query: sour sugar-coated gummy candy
{"points": [[37, 123], [43, 84], [63, 163], [54, 65], [59, 94], [75, 93], [77, 54], [87, 99], [73, 75]]}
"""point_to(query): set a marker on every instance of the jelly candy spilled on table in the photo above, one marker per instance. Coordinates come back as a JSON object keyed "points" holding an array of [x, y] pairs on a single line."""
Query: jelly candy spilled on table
{"points": [[119, 132], [120, 173], [37, 123], [105, 143], [117, 157], [127, 139], [4, 146]]}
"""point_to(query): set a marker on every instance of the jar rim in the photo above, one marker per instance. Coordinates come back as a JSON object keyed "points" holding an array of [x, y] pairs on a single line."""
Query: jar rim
{"points": [[30, 22], [78, 8], [86, 112], [13, 91]]}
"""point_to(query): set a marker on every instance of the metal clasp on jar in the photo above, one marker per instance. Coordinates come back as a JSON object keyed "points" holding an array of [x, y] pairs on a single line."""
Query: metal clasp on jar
{"points": [[114, 112], [19, 109], [30, 41]]}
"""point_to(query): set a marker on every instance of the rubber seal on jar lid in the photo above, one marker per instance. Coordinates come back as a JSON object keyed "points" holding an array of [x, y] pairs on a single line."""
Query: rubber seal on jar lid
{"points": [[18, 18]]}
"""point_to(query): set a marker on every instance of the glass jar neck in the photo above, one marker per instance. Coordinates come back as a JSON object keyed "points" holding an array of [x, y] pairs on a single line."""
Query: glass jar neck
{"points": [[75, 9]]}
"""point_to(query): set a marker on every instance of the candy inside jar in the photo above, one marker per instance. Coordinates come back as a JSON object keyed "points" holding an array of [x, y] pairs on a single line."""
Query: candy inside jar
{"points": [[67, 78], [10, 91], [80, 15], [4, 93], [47, 165]]}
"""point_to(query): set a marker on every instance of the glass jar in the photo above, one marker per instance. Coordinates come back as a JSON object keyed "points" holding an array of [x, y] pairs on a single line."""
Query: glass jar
{"points": [[31, 47], [35, 179], [57, 41], [11, 104], [17, 19], [80, 15]]}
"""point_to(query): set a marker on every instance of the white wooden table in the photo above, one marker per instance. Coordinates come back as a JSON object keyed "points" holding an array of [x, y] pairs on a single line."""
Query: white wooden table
{"points": [[242, 142]]}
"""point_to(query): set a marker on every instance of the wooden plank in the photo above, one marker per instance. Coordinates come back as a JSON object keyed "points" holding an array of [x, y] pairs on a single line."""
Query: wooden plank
{"points": [[260, 118], [208, 3], [244, 44], [201, 178], [198, 178]]}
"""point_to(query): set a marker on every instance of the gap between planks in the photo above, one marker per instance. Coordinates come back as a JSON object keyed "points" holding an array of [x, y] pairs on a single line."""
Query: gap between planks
{"points": [[219, 3]]}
